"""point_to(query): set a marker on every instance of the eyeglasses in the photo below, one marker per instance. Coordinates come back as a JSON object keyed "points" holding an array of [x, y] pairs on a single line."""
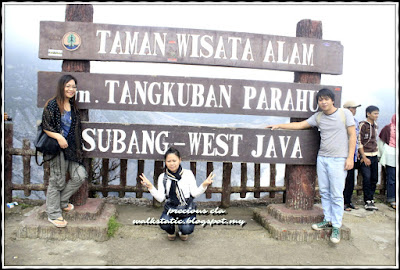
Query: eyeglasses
{"points": [[71, 86]]}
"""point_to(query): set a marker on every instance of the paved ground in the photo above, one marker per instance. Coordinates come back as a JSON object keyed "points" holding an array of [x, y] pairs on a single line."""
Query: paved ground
{"points": [[373, 243]]}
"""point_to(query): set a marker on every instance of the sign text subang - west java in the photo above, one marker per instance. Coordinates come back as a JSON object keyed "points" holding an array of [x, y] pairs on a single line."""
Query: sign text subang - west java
{"points": [[107, 42], [134, 141], [188, 94]]}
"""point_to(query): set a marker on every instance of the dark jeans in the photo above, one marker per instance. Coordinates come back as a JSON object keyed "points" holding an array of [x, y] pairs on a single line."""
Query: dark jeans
{"points": [[391, 183], [370, 178], [349, 185], [170, 228]]}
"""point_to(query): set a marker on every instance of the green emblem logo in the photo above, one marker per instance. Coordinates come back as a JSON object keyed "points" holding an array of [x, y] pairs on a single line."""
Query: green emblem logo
{"points": [[71, 41]]}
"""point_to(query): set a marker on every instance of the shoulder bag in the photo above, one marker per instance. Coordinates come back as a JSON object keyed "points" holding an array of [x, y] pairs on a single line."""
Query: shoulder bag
{"points": [[46, 145]]}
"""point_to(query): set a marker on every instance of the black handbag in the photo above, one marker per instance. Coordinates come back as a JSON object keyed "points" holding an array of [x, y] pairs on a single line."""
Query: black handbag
{"points": [[190, 205], [46, 145]]}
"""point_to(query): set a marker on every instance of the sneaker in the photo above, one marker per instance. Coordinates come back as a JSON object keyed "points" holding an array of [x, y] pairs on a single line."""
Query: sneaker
{"points": [[335, 236], [392, 205], [352, 206], [373, 205], [322, 225], [368, 206]]}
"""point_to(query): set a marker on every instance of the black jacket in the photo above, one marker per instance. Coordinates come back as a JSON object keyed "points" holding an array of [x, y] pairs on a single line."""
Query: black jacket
{"points": [[51, 121]]}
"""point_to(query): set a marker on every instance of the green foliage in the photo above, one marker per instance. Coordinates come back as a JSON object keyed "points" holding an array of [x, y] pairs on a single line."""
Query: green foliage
{"points": [[113, 226], [24, 205]]}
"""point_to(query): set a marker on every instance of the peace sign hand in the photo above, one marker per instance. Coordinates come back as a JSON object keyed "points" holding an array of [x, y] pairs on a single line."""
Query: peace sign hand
{"points": [[209, 180], [145, 182]]}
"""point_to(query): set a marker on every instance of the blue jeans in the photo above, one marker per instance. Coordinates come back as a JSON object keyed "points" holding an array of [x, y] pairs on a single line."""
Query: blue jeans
{"points": [[331, 180], [391, 183], [370, 178], [183, 228]]}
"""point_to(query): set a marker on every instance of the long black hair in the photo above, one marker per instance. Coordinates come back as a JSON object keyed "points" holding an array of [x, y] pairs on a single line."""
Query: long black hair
{"points": [[60, 92]]}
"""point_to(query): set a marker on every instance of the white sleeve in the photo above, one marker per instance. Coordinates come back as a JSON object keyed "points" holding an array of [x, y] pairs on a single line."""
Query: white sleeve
{"points": [[195, 190], [159, 194]]}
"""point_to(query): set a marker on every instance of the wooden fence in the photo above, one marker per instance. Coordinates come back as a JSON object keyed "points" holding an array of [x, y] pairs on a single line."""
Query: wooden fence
{"points": [[225, 190]]}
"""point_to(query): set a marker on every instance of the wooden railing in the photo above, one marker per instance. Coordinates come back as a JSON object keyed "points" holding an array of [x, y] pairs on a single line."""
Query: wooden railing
{"points": [[225, 190]]}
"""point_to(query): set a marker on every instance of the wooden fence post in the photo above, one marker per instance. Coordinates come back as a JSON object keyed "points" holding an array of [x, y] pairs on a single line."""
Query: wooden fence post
{"points": [[300, 179], [26, 161], [226, 185], [243, 180], [79, 13], [139, 186], [8, 159], [210, 168]]}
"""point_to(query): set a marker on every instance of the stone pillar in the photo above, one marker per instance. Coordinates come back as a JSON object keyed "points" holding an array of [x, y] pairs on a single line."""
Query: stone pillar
{"points": [[8, 159]]}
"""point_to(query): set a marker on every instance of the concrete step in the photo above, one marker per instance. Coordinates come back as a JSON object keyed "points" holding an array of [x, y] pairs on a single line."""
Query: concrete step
{"points": [[294, 231], [89, 211], [35, 226], [287, 215]]}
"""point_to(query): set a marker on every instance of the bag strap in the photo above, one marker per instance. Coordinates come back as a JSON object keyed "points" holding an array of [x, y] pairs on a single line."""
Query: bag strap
{"points": [[43, 161], [165, 185], [318, 117], [341, 114], [37, 159]]}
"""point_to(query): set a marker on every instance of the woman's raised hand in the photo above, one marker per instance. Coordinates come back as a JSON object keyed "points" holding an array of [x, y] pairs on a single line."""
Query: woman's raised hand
{"points": [[209, 180], [145, 182]]}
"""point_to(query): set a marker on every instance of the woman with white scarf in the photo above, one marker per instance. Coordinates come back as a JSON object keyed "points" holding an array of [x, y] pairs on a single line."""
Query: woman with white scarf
{"points": [[180, 187]]}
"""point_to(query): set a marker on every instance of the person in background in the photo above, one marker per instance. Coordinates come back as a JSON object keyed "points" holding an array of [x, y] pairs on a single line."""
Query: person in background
{"points": [[368, 148], [180, 185], [61, 121], [387, 158], [6, 117], [335, 157], [349, 186]]}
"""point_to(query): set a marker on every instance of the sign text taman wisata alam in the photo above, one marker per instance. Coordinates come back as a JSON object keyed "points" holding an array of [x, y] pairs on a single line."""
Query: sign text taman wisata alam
{"points": [[107, 42]]}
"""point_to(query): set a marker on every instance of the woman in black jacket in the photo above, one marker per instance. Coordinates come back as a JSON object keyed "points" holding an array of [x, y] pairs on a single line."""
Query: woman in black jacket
{"points": [[61, 121]]}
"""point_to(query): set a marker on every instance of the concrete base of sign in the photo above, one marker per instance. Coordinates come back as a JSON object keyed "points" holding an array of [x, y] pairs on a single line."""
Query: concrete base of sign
{"points": [[85, 222], [294, 225]]}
